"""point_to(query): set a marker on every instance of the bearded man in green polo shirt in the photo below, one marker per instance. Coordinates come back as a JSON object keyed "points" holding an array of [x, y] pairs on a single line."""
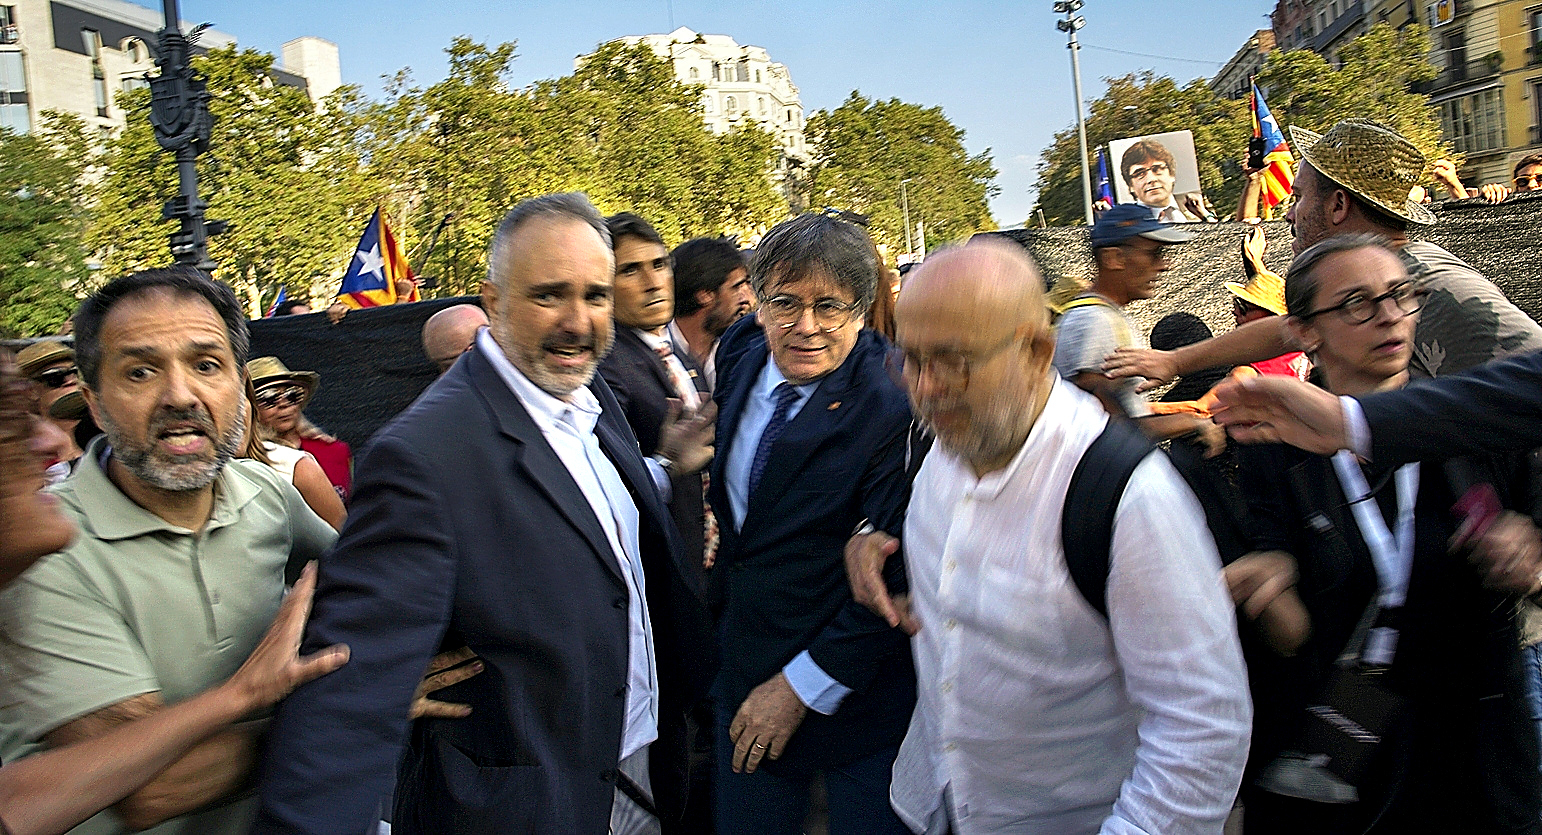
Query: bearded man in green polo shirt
{"points": [[180, 562]]}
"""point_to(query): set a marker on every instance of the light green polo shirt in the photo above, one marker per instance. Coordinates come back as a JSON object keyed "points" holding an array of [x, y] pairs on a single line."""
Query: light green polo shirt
{"points": [[135, 605]]}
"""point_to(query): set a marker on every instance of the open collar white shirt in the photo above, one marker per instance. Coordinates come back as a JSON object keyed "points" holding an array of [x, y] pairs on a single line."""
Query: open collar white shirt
{"points": [[569, 428], [1034, 714]]}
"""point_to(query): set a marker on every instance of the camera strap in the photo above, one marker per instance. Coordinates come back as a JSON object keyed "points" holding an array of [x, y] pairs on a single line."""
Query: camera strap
{"points": [[1391, 554]]}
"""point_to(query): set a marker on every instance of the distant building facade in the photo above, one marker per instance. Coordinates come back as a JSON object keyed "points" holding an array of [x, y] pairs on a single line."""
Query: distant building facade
{"points": [[1234, 79], [740, 84], [75, 56]]}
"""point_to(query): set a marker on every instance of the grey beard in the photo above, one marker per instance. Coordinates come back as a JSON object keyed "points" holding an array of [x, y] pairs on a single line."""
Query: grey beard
{"points": [[174, 477]]}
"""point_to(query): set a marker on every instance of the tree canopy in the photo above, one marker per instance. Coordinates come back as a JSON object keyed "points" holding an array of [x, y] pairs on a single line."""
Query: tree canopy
{"points": [[43, 218], [1375, 80], [865, 148]]}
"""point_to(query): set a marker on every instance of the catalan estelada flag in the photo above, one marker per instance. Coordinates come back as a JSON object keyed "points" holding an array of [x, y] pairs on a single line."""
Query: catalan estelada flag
{"points": [[1279, 165], [1104, 191], [378, 262]]}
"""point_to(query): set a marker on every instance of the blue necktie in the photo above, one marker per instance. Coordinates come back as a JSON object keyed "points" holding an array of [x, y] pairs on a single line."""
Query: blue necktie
{"points": [[785, 395]]}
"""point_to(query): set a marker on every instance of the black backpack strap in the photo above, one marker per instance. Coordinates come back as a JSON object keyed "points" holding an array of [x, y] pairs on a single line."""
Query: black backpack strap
{"points": [[1087, 522]]}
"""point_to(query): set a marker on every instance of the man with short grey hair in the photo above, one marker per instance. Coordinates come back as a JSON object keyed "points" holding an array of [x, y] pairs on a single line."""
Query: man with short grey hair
{"points": [[508, 510]]}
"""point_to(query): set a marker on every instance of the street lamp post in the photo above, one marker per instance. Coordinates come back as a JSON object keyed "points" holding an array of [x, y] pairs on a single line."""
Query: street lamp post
{"points": [[905, 205], [1069, 26], [179, 112]]}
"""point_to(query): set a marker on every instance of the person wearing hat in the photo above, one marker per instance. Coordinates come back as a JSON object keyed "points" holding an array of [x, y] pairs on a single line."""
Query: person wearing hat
{"points": [[1356, 178], [1129, 248], [281, 398], [50, 365], [1261, 297]]}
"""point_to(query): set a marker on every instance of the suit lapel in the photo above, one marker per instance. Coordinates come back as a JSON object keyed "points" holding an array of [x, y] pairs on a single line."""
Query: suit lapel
{"points": [[799, 441], [649, 358], [536, 457]]}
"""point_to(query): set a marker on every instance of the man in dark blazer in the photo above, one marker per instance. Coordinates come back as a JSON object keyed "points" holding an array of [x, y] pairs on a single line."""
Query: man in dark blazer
{"points": [[646, 370], [812, 434], [507, 510]]}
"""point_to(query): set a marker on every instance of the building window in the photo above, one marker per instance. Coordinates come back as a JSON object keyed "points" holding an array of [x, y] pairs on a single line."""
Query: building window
{"points": [[1475, 123], [716, 70], [9, 33], [1534, 25], [13, 93], [1536, 111], [762, 106], [134, 82], [708, 102], [694, 74], [93, 44], [730, 105], [757, 76]]}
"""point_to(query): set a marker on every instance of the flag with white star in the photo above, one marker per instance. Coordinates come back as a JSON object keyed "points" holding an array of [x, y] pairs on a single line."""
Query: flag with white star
{"points": [[1279, 165], [378, 263]]}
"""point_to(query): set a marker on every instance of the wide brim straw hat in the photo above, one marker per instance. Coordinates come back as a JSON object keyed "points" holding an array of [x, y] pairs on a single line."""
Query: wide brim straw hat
{"points": [[265, 371], [41, 354], [1265, 289], [1370, 160]]}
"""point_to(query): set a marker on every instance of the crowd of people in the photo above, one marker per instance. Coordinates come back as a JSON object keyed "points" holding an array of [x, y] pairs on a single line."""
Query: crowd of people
{"points": [[700, 541]]}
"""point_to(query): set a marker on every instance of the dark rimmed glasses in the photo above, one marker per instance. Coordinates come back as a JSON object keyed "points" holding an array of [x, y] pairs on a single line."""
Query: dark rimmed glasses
{"points": [[1359, 308], [1528, 182], [829, 314], [57, 377], [274, 398]]}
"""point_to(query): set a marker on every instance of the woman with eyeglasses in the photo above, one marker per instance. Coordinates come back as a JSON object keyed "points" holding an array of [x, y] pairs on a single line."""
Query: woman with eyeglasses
{"points": [[1388, 689], [281, 398]]}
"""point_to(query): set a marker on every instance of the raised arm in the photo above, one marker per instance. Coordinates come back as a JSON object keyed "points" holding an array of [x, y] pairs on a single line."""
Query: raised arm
{"points": [[1253, 342]]}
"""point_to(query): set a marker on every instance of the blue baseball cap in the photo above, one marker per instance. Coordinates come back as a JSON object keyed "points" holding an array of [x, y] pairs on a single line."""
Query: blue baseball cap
{"points": [[1130, 220]]}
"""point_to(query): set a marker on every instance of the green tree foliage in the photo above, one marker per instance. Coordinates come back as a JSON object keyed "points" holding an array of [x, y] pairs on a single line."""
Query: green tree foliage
{"points": [[1374, 80], [42, 223], [865, 148], [1141, 104], [286, 175], [620, 129]]}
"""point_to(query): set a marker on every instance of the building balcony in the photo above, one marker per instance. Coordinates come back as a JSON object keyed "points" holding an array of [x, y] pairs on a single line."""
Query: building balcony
{"points": [[10, 34], [1456, 74], [1340, 24]]}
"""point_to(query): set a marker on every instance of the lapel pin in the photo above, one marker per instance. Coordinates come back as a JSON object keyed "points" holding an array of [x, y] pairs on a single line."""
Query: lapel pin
{"points": [[836, 404]]}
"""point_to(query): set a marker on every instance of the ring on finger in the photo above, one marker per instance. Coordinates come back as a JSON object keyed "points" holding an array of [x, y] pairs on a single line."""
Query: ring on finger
{"points": [[758, 745]]}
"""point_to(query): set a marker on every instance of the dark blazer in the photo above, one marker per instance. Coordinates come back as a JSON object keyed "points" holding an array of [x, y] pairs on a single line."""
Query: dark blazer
{"points": [[466, 529], [1494, 407], [842, 459], [1466, 756], [638, 378]]}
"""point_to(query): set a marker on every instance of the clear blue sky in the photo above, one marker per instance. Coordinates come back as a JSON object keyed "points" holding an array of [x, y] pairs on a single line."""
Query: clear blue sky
{"points": [[1000, 70]]}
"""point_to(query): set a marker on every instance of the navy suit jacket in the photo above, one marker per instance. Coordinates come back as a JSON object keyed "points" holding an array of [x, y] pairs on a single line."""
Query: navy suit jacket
{"points": [[466, 529], [840, 460], [1494, 407], [637, 377]]}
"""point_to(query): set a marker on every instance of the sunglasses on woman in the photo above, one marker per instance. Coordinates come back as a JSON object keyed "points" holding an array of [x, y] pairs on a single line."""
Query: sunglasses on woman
{"points": [[57, 377], [274, 398]]}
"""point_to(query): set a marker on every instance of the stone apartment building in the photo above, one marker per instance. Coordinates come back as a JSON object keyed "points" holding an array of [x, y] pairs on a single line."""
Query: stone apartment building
{"points": [[75, 56]]}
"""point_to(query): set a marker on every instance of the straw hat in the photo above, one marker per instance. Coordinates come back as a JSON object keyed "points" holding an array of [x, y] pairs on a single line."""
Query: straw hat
{"points": [[39, 355], [72, 406], [1370, 160], [265, 371], [1265, 289]]}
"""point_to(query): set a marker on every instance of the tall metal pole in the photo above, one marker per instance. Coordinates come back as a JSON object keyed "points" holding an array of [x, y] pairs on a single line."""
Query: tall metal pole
{"points": [[1069, 26], [910, 251], [179, 112]]}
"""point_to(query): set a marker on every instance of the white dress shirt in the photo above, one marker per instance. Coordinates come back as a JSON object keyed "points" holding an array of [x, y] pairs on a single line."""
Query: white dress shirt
{"points": [[679, 377], [1035, 715], [708, 363], [569, 428]]}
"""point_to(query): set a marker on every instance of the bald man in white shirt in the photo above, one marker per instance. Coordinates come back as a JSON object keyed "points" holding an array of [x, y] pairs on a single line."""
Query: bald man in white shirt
{"points": [[1035, 713]]}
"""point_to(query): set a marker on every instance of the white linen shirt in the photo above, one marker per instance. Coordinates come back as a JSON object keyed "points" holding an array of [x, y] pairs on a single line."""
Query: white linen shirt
{"points": [[1034, 714], [569, 428]]}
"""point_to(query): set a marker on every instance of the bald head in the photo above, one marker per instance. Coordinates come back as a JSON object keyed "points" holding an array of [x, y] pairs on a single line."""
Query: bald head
{"points": [[449, 333], [992, 283]]}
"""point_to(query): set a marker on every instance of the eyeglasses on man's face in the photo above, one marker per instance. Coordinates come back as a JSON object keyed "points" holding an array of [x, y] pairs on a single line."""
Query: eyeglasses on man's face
{"points": [[829, 314], [1528, 182], [951, 368], [57, 377], [1360, 308], [274, 398], [1156, 169]]}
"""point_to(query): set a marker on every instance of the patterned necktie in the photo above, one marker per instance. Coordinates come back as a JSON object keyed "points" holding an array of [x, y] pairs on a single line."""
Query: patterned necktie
{"points": [[785, 394], [679, 380]]}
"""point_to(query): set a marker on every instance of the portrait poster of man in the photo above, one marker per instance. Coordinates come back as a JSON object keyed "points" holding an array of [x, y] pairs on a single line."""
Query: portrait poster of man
{"points": [[1159, 170]]}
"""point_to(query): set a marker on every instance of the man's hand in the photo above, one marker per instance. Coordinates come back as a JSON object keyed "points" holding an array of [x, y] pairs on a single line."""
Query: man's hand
{"points": [[1508, 553], [1263, 583], [275, 667], [1281, 409], [1444, 171], [764, 723], [336, 312], [1493, 192], [443, 672], [865, 558], [686, 437], [1156, 366]]}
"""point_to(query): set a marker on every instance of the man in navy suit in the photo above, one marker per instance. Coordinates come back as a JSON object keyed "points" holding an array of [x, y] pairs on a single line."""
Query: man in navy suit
{"points": [[507, 510], [812, 438]]}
